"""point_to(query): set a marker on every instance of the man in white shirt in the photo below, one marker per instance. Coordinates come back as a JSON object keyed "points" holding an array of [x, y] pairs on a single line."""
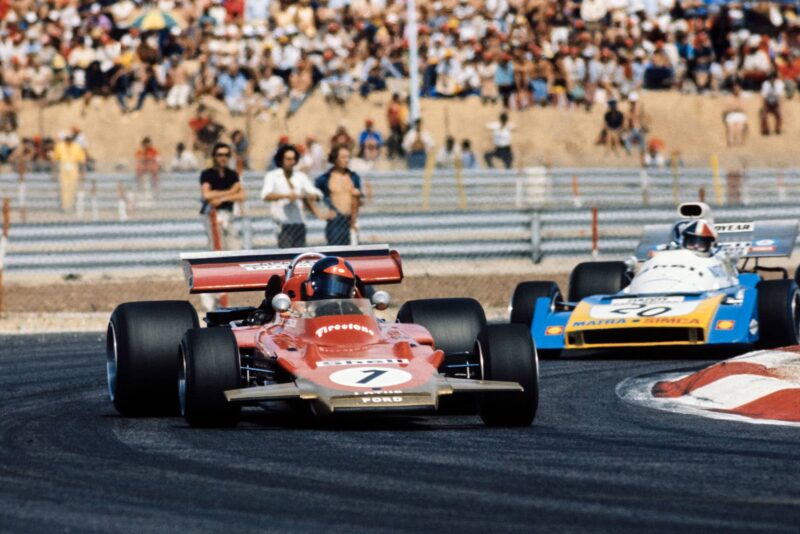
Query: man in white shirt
{"points": [[501, 136], [287, 190]]}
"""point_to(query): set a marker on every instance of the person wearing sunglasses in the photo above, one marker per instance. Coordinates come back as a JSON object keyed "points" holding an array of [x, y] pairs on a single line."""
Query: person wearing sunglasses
{"points": [[220, 188]]}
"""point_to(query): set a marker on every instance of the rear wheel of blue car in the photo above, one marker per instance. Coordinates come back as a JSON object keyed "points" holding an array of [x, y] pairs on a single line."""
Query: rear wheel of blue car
{"points": [[778, 313], [523, 307], [506, 355], [142, 343], [209, 366], [597, 278]]}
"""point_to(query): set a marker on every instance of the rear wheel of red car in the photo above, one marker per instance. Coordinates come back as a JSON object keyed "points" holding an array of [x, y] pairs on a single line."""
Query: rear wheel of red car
{"points": [[454, 323], [508, 355], [778, 313], [210, 365], [597, 278], [523, 307], [142, 343]]}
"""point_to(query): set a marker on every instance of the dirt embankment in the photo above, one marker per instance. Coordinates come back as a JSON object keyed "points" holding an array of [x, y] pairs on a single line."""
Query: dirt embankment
{"points": [[691, 124], [86, 305], [103, 296]]}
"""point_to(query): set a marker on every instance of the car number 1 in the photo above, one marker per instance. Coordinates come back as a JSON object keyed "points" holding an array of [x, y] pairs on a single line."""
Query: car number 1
{"points": [[370, 377]]}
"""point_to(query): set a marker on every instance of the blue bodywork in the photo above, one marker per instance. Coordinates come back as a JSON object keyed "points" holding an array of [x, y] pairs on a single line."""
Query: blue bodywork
{"points": [[740, 305]]}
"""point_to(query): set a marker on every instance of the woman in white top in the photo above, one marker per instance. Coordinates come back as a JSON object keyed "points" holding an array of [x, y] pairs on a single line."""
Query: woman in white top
{"points": [[287, 190]]}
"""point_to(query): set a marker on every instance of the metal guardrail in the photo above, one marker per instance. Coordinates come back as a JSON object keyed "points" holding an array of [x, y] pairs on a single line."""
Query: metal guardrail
{"points": [[403, 190], [429, 236]]}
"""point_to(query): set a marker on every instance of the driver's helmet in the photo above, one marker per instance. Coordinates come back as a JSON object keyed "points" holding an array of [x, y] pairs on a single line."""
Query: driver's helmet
{"points": [[699, 237], [330, 278]]}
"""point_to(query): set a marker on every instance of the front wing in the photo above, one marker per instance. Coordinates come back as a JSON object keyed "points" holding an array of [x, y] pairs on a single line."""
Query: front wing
{"points": [[326, 400]]}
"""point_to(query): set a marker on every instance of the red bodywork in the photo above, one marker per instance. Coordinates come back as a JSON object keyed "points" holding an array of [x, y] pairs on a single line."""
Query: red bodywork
{"points": [[299, 346], [338, 362]]}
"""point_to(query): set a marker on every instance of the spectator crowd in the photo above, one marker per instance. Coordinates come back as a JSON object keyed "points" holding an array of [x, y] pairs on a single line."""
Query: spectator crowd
{"points": [[264, 55], [260, 52]]}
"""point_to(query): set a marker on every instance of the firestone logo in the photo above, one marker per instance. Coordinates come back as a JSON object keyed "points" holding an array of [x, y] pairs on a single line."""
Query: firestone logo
{"points": [[349, 326]]}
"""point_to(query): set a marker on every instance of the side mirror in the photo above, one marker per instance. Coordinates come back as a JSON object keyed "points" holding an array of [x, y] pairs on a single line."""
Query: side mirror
{"points": [[281, 302], [381, 300]]}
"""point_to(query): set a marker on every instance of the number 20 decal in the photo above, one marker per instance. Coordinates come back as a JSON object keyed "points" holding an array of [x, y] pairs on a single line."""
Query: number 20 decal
{"points": [[642, 310]]}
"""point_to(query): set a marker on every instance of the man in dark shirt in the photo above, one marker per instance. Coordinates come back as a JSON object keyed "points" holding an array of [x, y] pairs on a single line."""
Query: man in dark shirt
{"points": [[220, 188], [614, 119]]}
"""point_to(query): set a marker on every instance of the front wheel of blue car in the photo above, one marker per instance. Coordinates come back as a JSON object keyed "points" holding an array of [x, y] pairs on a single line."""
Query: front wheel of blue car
{"points": [[522, 308], [209, 366], [778, 313], [507, 354]]}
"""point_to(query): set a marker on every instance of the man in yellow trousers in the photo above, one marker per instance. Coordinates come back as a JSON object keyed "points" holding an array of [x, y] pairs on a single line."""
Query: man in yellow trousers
{"points": [[70, 157]]}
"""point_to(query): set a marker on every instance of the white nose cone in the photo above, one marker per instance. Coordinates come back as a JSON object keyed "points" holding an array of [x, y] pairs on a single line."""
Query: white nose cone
{"points": [[680, 271]]}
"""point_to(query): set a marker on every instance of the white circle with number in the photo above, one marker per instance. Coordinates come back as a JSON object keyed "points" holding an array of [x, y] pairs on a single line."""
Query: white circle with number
{"points": [[370, 377]]}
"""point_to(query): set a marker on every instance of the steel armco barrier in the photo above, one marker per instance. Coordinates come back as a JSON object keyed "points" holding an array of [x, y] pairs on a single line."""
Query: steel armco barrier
{"points": [[429, 236], [116, 196]]}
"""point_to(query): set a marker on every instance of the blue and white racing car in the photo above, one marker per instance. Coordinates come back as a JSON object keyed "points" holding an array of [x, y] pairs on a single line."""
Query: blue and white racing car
{"points": [[672, 294]]}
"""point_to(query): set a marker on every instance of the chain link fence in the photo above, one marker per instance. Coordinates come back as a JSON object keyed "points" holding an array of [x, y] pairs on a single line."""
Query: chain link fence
{"points": [[475, 233]]}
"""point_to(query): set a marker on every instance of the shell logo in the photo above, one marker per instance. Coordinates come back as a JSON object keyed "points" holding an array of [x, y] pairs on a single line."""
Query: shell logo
{"points": [[725, 324], [554, 331]]}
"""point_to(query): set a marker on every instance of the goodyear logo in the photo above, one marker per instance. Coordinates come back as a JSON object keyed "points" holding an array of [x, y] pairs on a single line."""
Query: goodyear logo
{"points": [[598, 322], [338, 327]]}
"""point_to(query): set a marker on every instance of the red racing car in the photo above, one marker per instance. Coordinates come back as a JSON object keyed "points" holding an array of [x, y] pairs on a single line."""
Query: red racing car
{"points": [[316, 342]]}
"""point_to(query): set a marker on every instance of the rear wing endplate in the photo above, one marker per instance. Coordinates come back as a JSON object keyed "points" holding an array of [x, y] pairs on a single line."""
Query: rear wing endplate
{"points": [[757, 239], [250, 270]]}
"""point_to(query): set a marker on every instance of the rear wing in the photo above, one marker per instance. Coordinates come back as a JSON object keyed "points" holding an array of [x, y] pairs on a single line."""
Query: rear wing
{"points": [[757, 239], [250, 270]]}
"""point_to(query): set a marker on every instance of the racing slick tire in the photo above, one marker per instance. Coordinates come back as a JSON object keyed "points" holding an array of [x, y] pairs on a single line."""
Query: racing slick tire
{"points": [[210, 365], [454, 323], [523, 306], [506, 352], [778, 313], [142, 343], [597, 278]]}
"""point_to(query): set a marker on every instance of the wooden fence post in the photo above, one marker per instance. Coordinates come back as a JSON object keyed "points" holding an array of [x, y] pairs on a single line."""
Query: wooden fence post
{"points": [[4, 243], [216, 242]]}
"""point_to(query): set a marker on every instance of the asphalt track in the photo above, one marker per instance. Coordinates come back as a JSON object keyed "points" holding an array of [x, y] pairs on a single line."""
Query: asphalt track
{"points": [[589, 463]]}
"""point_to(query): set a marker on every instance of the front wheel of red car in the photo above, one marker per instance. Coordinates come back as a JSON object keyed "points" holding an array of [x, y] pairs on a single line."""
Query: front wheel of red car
{"points": [[209, 365], [508, 354], [142, 355]]}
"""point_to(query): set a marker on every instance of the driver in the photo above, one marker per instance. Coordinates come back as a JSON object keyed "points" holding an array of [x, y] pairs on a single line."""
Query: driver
{"points": [[699, 237], [330, 278]]}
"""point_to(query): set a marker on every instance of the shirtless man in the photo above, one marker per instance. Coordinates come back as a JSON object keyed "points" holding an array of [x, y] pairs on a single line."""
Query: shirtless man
{"points": [[341, 190]]}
